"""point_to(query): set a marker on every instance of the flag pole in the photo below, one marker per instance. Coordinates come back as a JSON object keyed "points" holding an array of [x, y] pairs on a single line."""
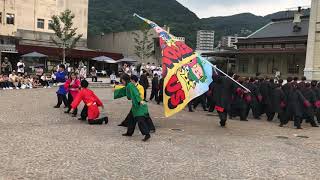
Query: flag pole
{"points": [[214, 66]]}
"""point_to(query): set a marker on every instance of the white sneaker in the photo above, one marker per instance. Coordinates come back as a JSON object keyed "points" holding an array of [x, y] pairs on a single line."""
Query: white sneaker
{"points": [[45, 87], [17, 88], [49, 86], [4, 88]]}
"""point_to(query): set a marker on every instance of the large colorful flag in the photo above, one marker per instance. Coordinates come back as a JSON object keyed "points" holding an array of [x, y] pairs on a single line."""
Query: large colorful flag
{"points": [[186, 74]]}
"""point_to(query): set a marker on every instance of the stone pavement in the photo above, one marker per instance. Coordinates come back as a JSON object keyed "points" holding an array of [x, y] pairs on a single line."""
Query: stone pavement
{"points": [[39, 142]]}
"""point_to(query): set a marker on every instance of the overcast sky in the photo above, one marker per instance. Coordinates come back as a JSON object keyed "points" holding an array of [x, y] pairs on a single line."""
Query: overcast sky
{"points": [[209, 8]]}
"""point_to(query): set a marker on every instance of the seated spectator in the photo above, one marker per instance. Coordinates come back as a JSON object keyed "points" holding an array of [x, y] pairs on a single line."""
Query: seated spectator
{"points": [[13, 79], [113, 78], [44, 81], [36, 82], [53, 78], [6, 84], [28, 81]]}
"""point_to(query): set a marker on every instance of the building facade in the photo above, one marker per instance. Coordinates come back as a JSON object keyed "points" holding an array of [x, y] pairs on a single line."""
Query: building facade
{"points": [[124, 43], [279, 46], [28, 20], [230, 41], [25, 28], [312, 68], [205, 40]]}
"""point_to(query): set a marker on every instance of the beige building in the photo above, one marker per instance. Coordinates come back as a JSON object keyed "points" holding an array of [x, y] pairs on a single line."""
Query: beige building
{"points": [[123, 42], [28, 20], [312, 67]]}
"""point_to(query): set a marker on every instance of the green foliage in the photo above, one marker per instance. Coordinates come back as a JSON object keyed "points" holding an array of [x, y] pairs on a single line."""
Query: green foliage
{"points": [[65, 35], [143, 47]]}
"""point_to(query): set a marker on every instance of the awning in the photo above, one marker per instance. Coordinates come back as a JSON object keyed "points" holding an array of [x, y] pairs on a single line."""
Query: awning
{"points": [[104, 59], [130, 60], [74, 53], [34, 55]]}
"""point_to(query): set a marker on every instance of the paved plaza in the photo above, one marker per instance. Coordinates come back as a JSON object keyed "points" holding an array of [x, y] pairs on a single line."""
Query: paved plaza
{"points": [[39, 142]]}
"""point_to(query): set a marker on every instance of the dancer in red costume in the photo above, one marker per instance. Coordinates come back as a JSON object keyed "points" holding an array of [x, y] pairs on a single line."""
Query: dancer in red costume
{"points": [[72, 85], [92, 102]]}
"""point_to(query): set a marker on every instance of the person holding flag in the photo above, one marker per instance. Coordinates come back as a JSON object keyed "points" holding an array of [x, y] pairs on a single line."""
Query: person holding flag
{"points": [[187, 75], [139, 107]]}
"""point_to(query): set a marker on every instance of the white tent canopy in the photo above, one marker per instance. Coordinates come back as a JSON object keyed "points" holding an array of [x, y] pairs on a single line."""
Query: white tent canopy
{"points": [[104, 59], [34, 55]]}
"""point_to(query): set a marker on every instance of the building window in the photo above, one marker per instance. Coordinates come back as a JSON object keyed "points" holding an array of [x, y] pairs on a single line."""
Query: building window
{"points": [[277, 46], [10, 19], [293, 66], [50, 22], [267, 46], [0, 17], [243, 66], [40, 23], [300, 46], [250, 46], [290, 46]]}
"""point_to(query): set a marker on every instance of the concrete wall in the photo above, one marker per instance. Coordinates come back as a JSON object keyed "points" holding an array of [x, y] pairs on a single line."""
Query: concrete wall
{"points": [[122, 42], [27, 12], [312, 70], [8, 6]]}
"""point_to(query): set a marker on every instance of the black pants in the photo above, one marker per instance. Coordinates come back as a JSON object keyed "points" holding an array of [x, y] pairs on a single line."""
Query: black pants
{"points": [[270, 115], [283, 118], [154, 94], [255, 110], [144, 129], [145, 92], [190, 106], [84, 112], [44, 83], [202, 99], [317, 114], [125, 122], [94, 78], [70, 100], [241, 112], [130, 117], [62, 98], [160, 97], [98, 121], [297, 121], [4, 85], [150, 124], [309, 116], [223, 118], [211, 103]]}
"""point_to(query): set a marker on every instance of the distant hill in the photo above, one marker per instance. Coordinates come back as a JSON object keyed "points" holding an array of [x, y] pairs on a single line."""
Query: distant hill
{"points": [[116, 15]]}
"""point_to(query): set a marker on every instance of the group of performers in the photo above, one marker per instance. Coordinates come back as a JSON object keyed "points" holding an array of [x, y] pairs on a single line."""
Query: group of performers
{"points": [[78, 91], [294, 100]]}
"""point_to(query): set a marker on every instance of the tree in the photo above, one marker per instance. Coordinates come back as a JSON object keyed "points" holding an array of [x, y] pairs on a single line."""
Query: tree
{"points": [[65, 35], [143, 47]]}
